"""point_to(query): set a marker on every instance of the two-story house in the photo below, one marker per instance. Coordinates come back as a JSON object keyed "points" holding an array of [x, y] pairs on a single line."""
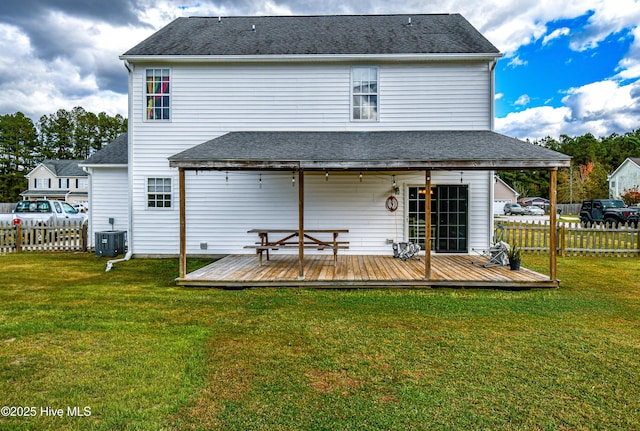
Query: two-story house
{"points": [[315, 122], [60, 180]]}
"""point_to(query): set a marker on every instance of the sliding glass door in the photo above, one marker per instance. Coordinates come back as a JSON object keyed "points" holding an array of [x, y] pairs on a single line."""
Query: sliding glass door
{"points": [[449, 217]]}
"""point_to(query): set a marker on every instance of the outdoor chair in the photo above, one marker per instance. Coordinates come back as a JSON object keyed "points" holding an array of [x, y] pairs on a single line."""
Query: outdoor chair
{"points": [[406, 250], [498, 253]]}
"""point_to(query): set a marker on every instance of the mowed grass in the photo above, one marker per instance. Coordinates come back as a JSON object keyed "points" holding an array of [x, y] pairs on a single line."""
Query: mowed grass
{"points": [[143, 354]]}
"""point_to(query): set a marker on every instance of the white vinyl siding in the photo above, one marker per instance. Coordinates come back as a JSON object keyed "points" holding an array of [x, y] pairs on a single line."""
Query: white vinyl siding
{"points": [[208, 101], [220, 212], [108, 199], [419, 97]]}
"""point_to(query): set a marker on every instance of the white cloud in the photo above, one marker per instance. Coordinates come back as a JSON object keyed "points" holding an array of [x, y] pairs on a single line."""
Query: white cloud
{"points": [[498, 96], [37, 85], [557, 33], [534, 123], [517, 61], [603, 100], [629, 66], [609, 17], [599, 108], [522, 100]]}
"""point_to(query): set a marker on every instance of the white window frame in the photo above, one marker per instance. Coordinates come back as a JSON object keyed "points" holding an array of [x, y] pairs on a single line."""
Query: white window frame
{"points": [[375, 94], [82, 183], [42, 183], [155, 192], [145, 101]]}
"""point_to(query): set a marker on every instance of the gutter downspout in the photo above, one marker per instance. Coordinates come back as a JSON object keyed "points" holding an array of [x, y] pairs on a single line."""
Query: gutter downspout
{"points": [[130, 68], [492, 95], [492, 174]]}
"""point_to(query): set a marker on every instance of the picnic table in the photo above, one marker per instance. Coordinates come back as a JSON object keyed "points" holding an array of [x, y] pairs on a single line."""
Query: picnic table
{"points": [[290, 239]]}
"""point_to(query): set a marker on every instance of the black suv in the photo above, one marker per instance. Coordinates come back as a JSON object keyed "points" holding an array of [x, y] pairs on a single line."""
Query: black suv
{"points": [[609, 211]]}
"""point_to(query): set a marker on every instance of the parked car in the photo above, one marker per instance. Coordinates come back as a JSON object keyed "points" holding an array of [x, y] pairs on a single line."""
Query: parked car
{"points": [[510, 209], [608, 211], [46, 211], [533, 210]]}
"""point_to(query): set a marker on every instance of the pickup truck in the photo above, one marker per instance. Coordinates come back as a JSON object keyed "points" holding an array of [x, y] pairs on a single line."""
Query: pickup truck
{"points": [[609, 211], [46, 211]]}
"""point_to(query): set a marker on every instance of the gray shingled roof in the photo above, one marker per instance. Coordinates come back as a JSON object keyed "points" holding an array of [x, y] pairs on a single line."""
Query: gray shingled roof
{"points": [[115, 153], [332, 34], [367, 150], [65, 168]]}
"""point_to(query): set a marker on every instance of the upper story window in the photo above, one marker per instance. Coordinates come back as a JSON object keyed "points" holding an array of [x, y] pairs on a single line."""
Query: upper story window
{"points": [[364, 93], [63, 183], [82, 183], [158, 94], [43, 183]]}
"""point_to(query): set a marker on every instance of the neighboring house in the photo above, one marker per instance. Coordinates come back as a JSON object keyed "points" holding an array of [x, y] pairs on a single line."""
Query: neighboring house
{"points": [[271, 122], [625, 177], [60, 180], [503, 193], [538, 201], [108, 188]]}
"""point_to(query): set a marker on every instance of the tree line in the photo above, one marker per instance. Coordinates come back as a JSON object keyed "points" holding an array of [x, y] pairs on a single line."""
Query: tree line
{"points": [[592, 160], [63, 135]]}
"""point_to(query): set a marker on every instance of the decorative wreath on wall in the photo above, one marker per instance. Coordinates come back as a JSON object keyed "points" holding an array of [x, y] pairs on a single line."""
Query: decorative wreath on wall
{"points": [[392, 203]]}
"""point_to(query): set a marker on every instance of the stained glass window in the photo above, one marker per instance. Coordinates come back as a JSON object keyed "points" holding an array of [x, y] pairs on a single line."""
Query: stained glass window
{"points": [[158, 96]]}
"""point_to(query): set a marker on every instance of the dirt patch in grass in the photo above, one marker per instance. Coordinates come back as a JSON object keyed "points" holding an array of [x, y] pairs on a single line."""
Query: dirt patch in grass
{"points": [[333, 382]]}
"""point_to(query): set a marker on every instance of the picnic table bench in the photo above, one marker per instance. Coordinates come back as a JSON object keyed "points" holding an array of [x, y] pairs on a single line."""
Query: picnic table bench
{"points": [[288, 241]]}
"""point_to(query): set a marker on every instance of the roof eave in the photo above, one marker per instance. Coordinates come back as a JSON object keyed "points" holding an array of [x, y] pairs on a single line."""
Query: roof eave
{"points": [[319, 165], [306, 58], [104, 165]]}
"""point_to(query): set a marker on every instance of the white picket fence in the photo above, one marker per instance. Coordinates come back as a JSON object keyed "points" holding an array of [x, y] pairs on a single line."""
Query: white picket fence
{"points": [[574, 239], [34, 236]]}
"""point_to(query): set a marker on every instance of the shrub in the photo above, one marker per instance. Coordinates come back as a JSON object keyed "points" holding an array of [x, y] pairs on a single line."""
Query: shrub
{"points": [[631, 196]]}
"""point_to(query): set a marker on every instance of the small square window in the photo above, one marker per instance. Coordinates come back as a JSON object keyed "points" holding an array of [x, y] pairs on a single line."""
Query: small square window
{"points": [[159, 193]]}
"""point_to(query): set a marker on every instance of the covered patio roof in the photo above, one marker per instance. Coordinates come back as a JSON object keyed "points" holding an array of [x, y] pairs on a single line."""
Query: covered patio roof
{"points": [[386, 150]]}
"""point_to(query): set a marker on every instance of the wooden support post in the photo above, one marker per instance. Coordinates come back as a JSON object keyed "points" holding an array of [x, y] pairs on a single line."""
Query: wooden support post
{"points": [[553, 228], [427, 226], [183, 225], [301, 224]]}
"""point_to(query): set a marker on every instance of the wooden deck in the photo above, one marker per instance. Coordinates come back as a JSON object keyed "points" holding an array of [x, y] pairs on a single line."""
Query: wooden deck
{"points": [[239, 271]]}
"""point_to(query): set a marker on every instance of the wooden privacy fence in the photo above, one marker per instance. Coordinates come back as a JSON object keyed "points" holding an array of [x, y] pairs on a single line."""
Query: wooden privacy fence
{"points": [[34, 236], [574, 239]]}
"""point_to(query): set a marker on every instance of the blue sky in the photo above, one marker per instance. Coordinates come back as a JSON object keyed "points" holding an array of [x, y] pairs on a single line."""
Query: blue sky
{"points": [[567, 68], [543, 73], [550, 67]]}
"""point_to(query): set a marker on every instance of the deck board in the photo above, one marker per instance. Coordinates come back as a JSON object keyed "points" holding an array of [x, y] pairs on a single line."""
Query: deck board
{"points": [[282, 270]]}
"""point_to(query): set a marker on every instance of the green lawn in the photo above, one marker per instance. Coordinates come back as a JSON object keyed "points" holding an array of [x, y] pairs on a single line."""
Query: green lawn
{"points": [[143, 354]]}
